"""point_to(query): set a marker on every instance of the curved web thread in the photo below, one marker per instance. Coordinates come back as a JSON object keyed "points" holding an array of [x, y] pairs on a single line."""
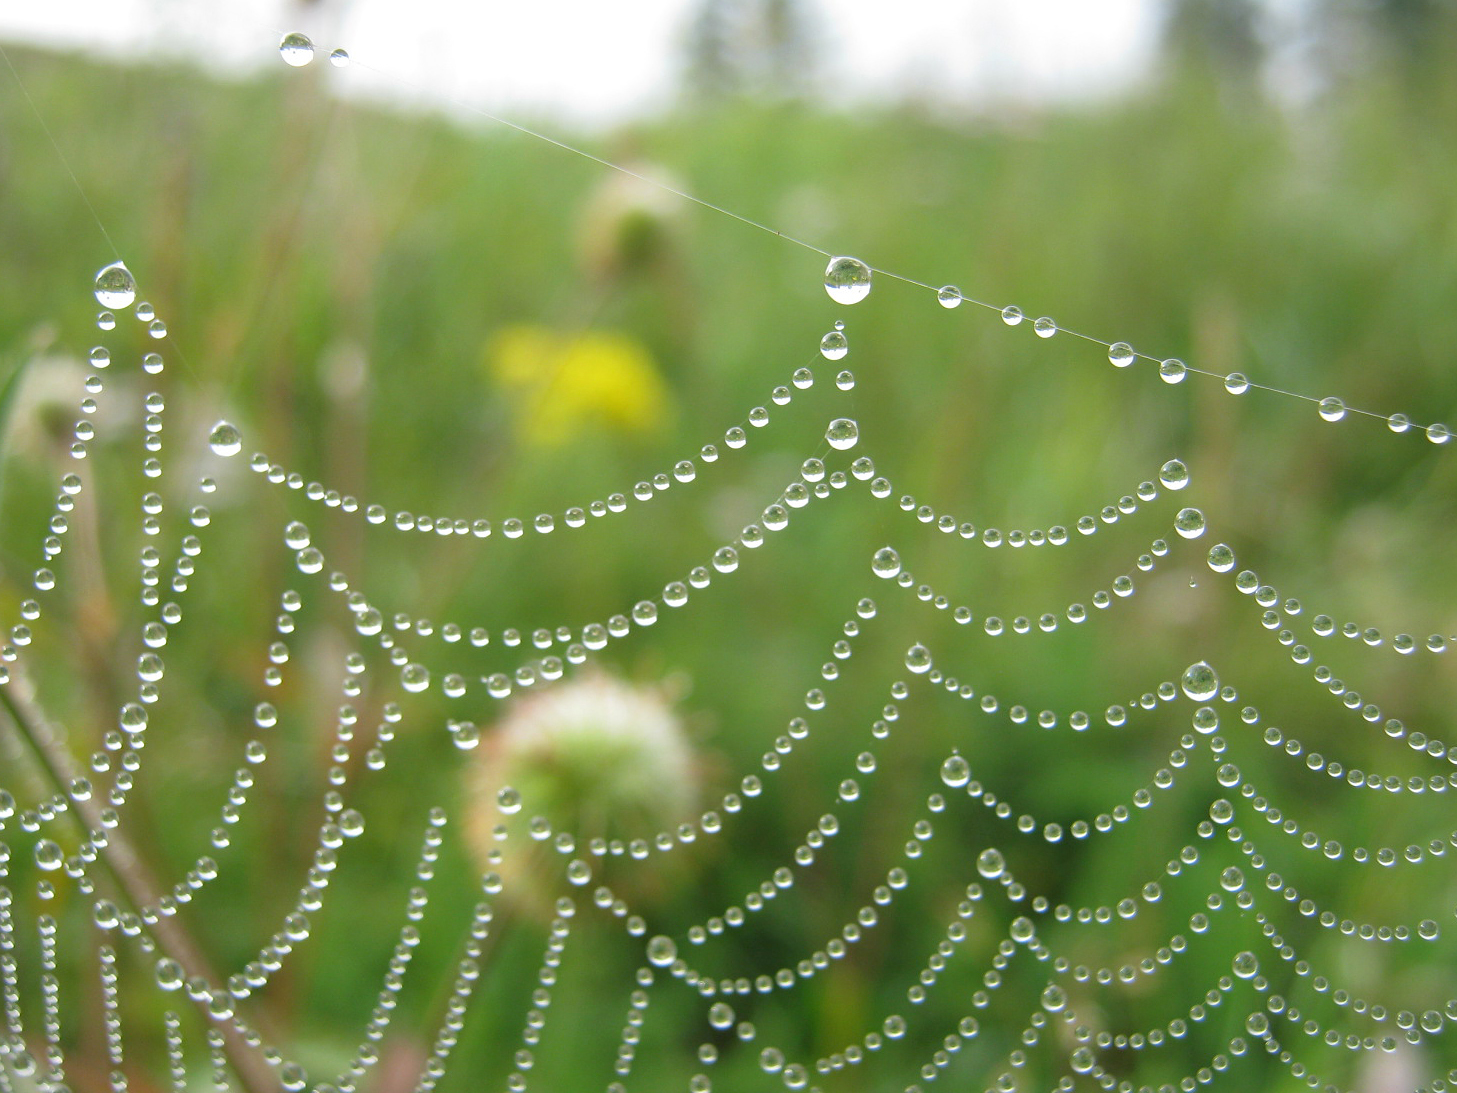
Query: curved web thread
{"points": [[1045, 931]]}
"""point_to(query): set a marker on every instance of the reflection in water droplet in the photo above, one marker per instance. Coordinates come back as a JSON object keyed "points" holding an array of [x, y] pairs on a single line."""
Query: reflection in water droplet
{"points": [[842, 434], [1045, 327], [115, 287], [296, 49], [949, 296], [1332, 409], [847, 280], [1200, 682], [1189, 523], [339, 58], [1012, 315], [834, 346], [1120, 354], [1174, 475], [886, 563], [1236, 383], [918, 659], [1221, 558], [1172, 370], [225, 439]]}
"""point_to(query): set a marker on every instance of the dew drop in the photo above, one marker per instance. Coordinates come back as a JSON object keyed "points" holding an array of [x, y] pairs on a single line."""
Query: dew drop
{"points": [[949, 296], [803, 378], [1120, 354], [1189, 523], [49, 855], [1438, 433], [845, 381], [956, 771], [1246, 964], [1332, 409], [1221, 558], [339, 58], [1236, 383], [834, 346], [169, 974], [1045, 327], [842, 434], [1172, 370], [662, 951], [720, 1015], [508, 800], [296, 49], [886, 563], [415, 678], [725, 559], [225, 439], [1398, 423], [990, 863], [1200, 682], [1174, 475], [847, 280], [115, 286], [918, 659], [1012, 315]]}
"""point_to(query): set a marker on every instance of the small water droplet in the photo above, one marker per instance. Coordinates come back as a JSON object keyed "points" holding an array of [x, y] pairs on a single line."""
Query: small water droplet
{"points": [[1200, 682], [803, 378], [918, 659], [339, 58], [842, 434], [415, 678], [847, 280], [720, 1015], [157, 329], [508, 800], [1221, 558], [886, 563], [990, 863], [115, 287], [1121, 355], [834, 346], [225, 439], [956, 771], [949, 296], [49, 855], [105, 320], [1398, 423], [1045, 327], [1332, 409], [1012, 315], [845, 381], [296, 49], [1172, 370], [1174, 474], [1438, 433], [1236, 383]]}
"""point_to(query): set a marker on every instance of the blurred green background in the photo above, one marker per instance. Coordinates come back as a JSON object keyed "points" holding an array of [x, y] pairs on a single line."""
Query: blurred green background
{"points": [[452, 318]]}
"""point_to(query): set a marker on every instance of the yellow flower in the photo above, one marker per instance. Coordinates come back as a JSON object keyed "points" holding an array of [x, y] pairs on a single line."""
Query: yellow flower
{"points": [[562, 384]]}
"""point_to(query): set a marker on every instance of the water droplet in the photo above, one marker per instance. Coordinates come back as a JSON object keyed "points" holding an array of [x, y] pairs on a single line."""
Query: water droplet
{"points": [[918, 658], [1174, 475], [1172, 370], [508, 800], [956, 771], [833, 347], [1054, 998], [725, 559], [949, 296], [105, 320], [847, 280], [1332, 409], [771, 1060], [803, 377], [115, 286], [1236, 383], [662, 951], [225, 439], [169, 974], [1221, 558], [1232, 879], [1200, 682], [414, 678], [990, 863], [296, 49], [1246, 964], [1438, 433], [157, 329], [842, 434], [49, 855], [886, 563], [845, 381], [1012, 315], [1121, 354], [720, 1015], [339, 58], [1189, 523], [1257, 1024], [1082, 1059], [1045, 327], [1398, 423]]}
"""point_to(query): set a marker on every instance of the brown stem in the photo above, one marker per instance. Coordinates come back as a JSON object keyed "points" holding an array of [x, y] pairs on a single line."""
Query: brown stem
{"points": [[129, 870]]}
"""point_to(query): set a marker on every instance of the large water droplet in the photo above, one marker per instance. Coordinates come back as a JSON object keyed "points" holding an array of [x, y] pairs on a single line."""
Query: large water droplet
{"points": [[1189, 523], [833, 347], [115, 286], [1200, 682], [1174, 475], [662, 951], [843, 433], [225, 439], [847, 280], [1221, 558], [886, 563], [296, 49]]}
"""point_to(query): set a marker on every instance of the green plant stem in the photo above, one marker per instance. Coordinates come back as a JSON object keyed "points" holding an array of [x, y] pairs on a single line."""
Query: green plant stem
{"points": [[128, 870]]}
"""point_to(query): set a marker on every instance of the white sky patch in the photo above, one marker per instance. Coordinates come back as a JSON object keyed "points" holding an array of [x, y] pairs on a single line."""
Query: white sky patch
{"points": [[599, 63]]}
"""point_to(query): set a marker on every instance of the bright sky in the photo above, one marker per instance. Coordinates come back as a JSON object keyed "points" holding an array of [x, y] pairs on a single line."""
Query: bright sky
{"points": [[596, 61]]}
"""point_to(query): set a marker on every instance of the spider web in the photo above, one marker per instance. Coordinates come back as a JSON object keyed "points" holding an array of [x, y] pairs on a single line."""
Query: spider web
{"points": [[1226, 868]]}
